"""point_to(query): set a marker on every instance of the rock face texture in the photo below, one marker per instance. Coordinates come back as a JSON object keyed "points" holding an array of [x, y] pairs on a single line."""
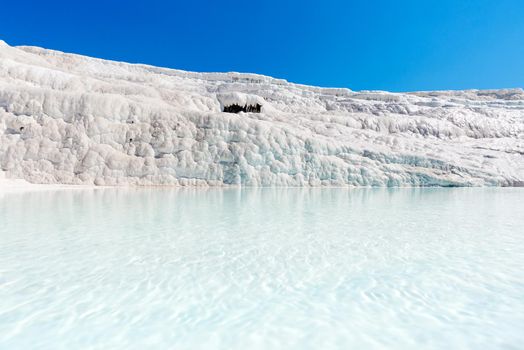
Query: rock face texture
{"points": [[76, 120]]}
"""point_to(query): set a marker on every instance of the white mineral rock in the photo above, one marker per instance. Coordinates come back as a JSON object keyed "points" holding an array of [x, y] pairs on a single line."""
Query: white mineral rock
{"points": [[71, 119]]}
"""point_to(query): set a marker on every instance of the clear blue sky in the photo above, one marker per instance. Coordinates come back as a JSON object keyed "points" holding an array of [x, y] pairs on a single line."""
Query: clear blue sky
{"points": [[389, 45]]}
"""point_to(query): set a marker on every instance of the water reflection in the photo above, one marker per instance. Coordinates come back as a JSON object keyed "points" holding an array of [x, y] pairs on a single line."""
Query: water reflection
{"points": [[262, 268]]}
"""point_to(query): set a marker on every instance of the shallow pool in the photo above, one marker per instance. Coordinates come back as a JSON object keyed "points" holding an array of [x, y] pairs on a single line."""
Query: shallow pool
{"points": [[262, 269]]}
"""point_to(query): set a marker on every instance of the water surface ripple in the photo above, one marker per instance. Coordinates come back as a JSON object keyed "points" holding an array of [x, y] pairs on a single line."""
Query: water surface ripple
{"points": [[262, 269]]}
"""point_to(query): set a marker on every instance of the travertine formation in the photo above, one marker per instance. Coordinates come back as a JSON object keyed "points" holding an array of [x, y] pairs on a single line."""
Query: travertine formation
{"points": [[71, 119]]}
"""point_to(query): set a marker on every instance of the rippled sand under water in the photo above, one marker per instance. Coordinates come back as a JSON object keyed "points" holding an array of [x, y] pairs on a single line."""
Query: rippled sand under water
{"points": [[262, 269]]}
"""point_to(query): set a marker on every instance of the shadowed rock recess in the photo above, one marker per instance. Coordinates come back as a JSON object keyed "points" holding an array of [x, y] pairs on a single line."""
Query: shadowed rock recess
{"points": [[77, 120]]}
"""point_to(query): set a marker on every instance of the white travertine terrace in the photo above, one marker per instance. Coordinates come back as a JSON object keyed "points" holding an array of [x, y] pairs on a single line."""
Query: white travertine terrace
{"points": [[71, 119]]}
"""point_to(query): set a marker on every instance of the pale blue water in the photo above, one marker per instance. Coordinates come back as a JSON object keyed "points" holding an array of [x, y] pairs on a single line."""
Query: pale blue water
{"points": [[262, 269]]}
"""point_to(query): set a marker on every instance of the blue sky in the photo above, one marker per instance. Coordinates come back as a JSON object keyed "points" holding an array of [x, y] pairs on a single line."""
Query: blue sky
{"points": [[388, 45]]}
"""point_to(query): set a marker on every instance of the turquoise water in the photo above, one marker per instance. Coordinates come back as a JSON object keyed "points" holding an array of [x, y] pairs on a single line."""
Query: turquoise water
{"points": [[262, 269]]}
